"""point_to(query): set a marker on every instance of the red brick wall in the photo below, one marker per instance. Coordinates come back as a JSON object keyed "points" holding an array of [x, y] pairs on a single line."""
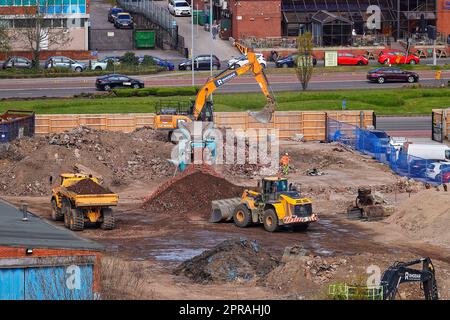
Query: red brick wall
{"points": [[198, 4], [443, 18], [13, 252], [259, 18]]}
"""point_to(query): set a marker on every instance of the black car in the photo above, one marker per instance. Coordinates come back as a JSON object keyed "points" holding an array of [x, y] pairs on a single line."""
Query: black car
{"points": [[202, 62], [290, 61], [17, 62], [382, 75], [111, 81], [123, 21], [112, 14]]}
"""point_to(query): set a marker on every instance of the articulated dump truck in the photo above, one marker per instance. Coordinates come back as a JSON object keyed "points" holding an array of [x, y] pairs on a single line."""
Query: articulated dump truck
{"points": [[81, 201]]}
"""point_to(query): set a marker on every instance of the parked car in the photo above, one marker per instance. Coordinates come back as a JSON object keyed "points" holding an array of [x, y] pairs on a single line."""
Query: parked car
{"points": [[376, 141], [201, 62], [397, 57], [17, 62], [179, 8], [64, 62], [240, 61], [446, 177], [102, 64], [346, 58], [290, 61], [124, 21], [435, 170], [418, 167], [111, 81], [160, 62], [382, 75], [112, 14]]}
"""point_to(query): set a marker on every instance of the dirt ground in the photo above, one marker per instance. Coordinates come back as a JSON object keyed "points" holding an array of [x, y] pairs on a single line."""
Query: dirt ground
{"points": [[158, 242]]}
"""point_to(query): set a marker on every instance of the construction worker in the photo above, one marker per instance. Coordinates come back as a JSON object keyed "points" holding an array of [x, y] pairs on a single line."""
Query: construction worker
{"points": [[437, 77], [284, 163]]}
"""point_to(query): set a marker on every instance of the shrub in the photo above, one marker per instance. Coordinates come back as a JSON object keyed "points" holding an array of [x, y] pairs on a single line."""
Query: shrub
{"points": [[57, 70], [156, 91], [129, 58], [148, 61]]}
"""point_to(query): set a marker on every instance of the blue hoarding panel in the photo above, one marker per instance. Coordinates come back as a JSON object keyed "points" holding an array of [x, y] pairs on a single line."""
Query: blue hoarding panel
{"points": [[12, 284]]}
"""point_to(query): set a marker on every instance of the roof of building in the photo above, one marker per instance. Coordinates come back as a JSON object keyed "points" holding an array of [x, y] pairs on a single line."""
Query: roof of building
{"points": [[37, 233], [326, 17]]}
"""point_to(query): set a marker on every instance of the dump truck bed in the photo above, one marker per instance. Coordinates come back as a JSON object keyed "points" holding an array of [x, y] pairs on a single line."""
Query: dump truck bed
{"points": [[91, 200]]}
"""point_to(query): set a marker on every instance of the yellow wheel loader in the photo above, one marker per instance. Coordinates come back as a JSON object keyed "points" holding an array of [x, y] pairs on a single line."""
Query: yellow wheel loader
{"points": [[276, 204], [80, 200]]}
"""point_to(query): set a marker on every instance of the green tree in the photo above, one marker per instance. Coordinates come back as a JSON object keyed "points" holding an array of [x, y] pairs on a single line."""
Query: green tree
{"points": [[304, 61]]}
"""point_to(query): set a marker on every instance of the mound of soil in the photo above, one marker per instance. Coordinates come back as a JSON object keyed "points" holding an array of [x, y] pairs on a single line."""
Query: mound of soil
{"points": [[191, 192], [117, 158], [87, 186], [426, 216], [231, 260]]}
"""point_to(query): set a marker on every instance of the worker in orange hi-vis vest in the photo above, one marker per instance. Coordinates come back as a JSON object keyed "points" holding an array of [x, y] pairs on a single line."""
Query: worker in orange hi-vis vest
{"points": [[284, 163], [437, 77]]}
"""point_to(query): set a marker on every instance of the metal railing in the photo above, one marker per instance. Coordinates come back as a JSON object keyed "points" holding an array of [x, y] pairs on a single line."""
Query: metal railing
{"points": [[157, 13]]}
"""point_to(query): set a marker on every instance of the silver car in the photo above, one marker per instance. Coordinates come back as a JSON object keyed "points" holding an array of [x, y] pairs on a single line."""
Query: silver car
{"points": [[65, 62]]}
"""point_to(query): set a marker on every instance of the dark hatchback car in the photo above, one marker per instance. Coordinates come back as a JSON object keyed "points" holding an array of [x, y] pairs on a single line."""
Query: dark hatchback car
{"points": [[112, 14], [111, 81], [382, 75], [123, 21], [17, 62], [290, 61], [202, 62]]}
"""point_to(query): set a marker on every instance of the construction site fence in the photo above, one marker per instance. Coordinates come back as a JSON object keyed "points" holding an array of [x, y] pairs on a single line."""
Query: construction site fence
{"points": [[440, 122], [370, 144], [309, 125]]}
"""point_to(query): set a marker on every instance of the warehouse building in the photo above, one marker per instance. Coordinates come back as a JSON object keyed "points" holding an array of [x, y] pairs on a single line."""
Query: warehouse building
{"points": [[275, 18], [67, 16], [39, 261]]}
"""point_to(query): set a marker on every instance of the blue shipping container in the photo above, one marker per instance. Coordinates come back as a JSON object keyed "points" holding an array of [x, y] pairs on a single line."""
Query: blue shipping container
{"points": [[15, 124]]}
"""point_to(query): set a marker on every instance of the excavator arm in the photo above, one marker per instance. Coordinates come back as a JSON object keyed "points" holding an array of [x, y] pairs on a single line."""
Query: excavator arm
{"points": [[400, 272], [227, 75]]}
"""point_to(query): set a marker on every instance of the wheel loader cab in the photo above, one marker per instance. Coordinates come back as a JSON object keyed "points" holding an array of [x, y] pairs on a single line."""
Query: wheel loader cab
{"points": [[272, 187]]}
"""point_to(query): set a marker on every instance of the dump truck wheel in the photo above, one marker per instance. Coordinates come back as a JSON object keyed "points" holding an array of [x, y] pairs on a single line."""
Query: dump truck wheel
{"points": [[57, 215], [242, 216], [76, 222], [109, 222], [65, 207], [301, 227], [270, 220]]}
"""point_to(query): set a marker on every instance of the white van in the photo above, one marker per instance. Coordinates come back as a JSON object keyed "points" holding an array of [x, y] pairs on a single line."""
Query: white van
{"points": [[426, 151], [179, 8]]}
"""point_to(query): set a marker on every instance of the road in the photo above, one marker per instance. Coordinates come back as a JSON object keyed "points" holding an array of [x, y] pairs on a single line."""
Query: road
{"points": [[405, 126]]}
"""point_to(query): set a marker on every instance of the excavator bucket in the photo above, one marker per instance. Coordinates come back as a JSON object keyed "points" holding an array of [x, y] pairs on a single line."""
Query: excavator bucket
{"points": [[265, 115], [222, 210]]}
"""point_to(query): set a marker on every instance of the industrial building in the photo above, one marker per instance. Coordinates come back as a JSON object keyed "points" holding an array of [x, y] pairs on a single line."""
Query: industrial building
{"points": [[67, 16], [283, 18], [39, 261]]}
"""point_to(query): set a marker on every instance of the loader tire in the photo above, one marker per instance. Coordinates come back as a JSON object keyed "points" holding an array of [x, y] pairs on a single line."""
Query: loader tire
{"points": [[270, 220], [57, 214], [109, 222], [76, 222], [65, 208], [242, 217]]}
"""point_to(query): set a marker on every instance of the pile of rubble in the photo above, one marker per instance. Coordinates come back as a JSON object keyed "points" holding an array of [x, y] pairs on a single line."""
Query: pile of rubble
{"points": [[117, 158], [191, 192], [231, 260]]}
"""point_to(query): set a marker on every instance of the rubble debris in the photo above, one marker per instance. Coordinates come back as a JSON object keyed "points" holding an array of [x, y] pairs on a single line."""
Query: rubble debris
{"points": [[87, 186], [191, 192], [314, 172], [232, 260], [119, 158]]}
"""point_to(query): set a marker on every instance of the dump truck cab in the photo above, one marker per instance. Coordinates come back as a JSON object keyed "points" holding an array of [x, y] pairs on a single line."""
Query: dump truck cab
{"points": [[277, 203]]}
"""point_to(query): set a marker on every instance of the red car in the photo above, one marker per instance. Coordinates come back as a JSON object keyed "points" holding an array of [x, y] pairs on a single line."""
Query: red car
{"points": [[396, 57], [446, 177], [345, 58]]}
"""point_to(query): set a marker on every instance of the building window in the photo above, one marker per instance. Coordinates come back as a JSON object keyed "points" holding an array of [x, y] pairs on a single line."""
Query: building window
{"points": [[50, 6]]}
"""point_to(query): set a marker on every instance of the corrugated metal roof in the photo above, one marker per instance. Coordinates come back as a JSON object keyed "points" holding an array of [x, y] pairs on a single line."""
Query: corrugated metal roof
{"points": [[37, 233]]}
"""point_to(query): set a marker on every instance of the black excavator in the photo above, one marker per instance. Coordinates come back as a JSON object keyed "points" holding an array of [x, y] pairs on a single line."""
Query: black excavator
{"points": [[400, 272]]}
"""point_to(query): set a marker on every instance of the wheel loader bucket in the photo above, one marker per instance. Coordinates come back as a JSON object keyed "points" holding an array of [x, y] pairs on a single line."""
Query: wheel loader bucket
{"points": [[265, 115], [222, 210]]}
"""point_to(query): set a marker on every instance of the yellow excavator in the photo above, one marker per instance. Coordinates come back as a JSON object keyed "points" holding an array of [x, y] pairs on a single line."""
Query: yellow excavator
{"points": [[170, 116]]}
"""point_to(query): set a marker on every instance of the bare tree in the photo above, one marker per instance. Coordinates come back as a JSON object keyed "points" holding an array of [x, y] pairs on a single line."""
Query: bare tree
{"points": [[304, 66], [4, 39], [36, 32]]}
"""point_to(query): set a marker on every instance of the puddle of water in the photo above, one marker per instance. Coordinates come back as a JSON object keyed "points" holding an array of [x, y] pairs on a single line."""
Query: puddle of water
{"points": [[325, 252], [178, 255]]}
